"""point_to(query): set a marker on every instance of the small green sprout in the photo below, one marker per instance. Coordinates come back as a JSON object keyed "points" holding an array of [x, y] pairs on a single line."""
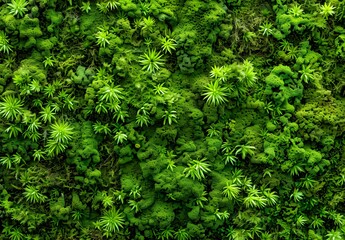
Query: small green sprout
{"points": [[98, 127], [148, 42], [18, 7], [144, 8], [222, 215], [202, 198], [292, 52], [252, 201], [334, 235], [249, 37], [5, 47], [49, 90], [152, 61], [297, 195], [16, 234], [114, 106], [227, 146], [244, 150], [9, 62], [142, 120], [197, 168], [215, 94], [231, 190], [47, 114], [120, 115], [271, 197], [17, 159], [307, 182], [213, 132], [34, 124], [160, 89], [120, 137], [295, 10], [107, 200], [33, 135], [86, 7], [267, 172], [13, 130], [237, 176], [11, 108], [296, 169], [6, 161], [54, 148], [134, 205], [247, 75], [111, 93], [147, 24], [101, 107], [61, 132], [218, 73], [135, 192], [112, 4], [317, 223], [169, 117], [35, 86], [171, 165], [247, 183], [111, 222], [285, 45], [307, 73], [102, 7], [266, 29], [327, 10], [33, 195], [229, 157], [120, 195], [77, 215], [182, 234], [168, 44], [38, 155], [48, 61], [102, 37]]}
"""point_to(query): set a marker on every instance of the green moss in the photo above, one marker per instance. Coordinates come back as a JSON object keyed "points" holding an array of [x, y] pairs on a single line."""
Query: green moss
{"points": [[162, 214], [186, 146], [264, 51], [93, 173], [29, 27], [130, 8], [213, 146], [44, 44], [82, 76], [274, 81], [270, 126], [10, 22], [152, 167], [314, 157], [167, 132], [76, 203], [85, 148], [293, 126], [194, 213], [56, 18], [270, 151], [297, 154], [262, 158], [289, 107]]}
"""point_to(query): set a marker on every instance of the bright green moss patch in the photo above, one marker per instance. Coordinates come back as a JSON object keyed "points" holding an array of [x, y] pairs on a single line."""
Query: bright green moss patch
{"points": [[172, 120]]}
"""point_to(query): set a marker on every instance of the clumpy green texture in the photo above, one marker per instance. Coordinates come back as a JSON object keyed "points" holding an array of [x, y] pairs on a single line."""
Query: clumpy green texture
{"points": [[172, 119]]}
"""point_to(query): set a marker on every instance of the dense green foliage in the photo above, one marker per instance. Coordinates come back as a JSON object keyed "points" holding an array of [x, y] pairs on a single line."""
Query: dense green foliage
{"points": [[129, 119]]}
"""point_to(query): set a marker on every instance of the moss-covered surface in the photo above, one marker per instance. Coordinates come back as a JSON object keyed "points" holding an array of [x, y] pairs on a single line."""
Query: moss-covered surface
{"points": [[128, 119]]}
